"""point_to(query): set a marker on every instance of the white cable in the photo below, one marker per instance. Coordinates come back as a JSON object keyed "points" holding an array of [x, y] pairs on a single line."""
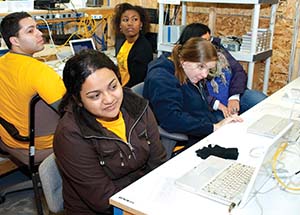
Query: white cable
{"points": [[51, 39], [49, 31], [292, 110], [257, 152], [259, 205]]}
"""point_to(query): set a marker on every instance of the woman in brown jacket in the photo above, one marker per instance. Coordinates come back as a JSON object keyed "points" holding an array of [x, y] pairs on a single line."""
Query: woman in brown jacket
{"points": [[107, 137]]}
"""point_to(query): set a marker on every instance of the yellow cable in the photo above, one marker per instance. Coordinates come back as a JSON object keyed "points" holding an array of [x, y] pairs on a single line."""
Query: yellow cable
{"points": [[83, 30], [274, 162]]}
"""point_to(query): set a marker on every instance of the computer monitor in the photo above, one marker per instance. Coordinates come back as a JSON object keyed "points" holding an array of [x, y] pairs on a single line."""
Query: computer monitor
{"points": [[49, 4], [81, 44]]}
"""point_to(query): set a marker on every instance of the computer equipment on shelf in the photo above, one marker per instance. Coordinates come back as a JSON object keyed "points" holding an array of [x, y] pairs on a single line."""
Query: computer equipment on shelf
{"points": [[49, 4], [94, 3]]}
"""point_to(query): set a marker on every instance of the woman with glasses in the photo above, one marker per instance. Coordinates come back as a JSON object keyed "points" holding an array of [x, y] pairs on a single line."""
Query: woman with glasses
{"points": [[174, 87], [228, 93], [135, 51]]}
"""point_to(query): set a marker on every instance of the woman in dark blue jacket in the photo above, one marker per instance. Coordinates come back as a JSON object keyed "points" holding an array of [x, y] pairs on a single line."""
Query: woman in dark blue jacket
{"points": [[135, 51], [175, 90], [228, 93]]}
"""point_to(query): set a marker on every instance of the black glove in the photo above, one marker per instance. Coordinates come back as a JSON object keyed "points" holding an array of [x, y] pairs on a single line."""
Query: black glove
{"points": [[218, 151]]}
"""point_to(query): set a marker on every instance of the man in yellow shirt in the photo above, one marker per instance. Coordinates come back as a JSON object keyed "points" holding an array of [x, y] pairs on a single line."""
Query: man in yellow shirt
{"points": [[22, 77]]}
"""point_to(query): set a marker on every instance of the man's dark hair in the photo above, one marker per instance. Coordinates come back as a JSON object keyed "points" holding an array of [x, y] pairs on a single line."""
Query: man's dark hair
{"points": [[10, 26], [193, 30]]}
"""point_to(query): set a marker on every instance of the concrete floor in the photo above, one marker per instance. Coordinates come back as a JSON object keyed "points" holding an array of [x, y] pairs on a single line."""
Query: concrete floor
{"points": [[19, 203]]}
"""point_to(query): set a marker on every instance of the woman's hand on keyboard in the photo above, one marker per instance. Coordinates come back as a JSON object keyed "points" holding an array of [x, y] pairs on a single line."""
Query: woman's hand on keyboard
{"points": [[232, 118], [224, 110], [233, 106]]}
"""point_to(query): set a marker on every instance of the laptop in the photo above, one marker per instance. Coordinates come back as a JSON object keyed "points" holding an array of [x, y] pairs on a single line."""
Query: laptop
{"points": [[227, 181], [271, 125], [81, 44]]}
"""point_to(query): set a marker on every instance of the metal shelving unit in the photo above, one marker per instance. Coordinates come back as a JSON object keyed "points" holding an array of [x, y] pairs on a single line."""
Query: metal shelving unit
{"points": [[250, 57]]}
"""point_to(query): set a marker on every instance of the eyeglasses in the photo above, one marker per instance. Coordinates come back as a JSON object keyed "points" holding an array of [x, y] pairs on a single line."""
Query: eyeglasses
{"points": [[187, 65]]}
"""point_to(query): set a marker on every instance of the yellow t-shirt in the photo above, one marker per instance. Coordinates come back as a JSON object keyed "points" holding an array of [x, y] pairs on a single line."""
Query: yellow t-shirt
{"points": [[116, 126], [122, 62], [21, 77]]}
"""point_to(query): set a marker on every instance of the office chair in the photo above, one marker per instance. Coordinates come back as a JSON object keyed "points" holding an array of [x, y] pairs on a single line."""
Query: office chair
{"points": [[29, 157], [52, 184], [169, 140]]}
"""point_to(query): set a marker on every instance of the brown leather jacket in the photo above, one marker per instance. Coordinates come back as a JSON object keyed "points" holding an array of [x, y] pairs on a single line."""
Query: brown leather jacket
{"points": [[95, 163]]}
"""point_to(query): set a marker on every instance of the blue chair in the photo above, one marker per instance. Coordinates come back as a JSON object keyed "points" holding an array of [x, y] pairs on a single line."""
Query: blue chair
{"points": [[3, 51], [169, 140]]}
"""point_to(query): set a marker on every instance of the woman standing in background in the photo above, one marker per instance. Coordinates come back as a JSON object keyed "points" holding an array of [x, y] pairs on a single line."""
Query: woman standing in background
{"points": [[135, 51]]}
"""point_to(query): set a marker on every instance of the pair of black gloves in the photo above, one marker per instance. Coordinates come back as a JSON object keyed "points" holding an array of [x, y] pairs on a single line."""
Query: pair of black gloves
{"points": [[218, 151]]}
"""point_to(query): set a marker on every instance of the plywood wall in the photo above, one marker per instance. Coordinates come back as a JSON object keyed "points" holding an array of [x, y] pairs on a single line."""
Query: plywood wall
{"points": [[236, 20]]}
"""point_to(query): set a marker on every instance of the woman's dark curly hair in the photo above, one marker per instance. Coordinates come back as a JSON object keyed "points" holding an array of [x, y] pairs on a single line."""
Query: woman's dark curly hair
{"points": [[121, 8]]}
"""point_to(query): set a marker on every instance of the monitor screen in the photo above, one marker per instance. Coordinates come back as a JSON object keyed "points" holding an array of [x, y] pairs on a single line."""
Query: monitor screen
{"points": [[81, 44]]}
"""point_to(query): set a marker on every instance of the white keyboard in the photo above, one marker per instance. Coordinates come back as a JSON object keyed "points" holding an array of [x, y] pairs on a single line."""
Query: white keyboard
{"points": [[57, 65], [230, 183], [268, 125]]}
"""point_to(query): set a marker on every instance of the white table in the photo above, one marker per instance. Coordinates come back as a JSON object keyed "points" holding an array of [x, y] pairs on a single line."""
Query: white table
{"points": [[156, 193]]}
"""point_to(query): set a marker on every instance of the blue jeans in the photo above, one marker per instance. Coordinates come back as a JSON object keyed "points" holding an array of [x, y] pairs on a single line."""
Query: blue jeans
{"points": [[247, 100], [250, 98]]}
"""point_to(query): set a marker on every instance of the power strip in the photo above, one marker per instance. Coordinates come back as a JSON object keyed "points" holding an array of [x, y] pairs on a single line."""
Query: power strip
{"points": [[97, 16], [59, 16]]}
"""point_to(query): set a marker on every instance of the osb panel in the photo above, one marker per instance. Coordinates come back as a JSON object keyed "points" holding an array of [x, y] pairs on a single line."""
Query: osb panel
{"points": [[228, 9], [287, 9], [282, 44], [224, 24]]}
